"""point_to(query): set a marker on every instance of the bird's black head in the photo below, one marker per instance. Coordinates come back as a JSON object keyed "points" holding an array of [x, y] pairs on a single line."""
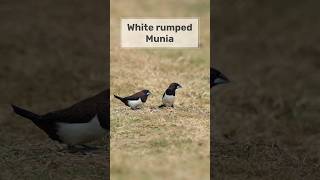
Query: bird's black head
{"points": [[216, 77], [146, 92], [174, 86]]}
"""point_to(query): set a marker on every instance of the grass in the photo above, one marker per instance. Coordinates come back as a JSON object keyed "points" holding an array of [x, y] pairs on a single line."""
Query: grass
{"points": [[154, 143], [33, 161], [50, 60], [266, 121]]}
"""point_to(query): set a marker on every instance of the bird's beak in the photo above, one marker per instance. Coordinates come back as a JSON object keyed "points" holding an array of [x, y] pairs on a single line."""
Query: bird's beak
{"points": [[149, 93], [179, 87], [221, 80]]}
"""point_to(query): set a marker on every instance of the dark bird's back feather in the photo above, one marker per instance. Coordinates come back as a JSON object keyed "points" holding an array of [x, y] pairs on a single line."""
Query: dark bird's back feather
{"points": [[81, 112], [25, 113]]}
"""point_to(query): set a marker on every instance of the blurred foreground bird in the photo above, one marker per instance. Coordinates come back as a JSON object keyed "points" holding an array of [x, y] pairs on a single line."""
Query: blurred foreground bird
{"points": [[168, 96], [216, 78], [136, 100], [83, 122]]}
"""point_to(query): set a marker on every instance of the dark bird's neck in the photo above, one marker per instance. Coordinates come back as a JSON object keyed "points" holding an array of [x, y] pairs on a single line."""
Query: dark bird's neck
{"points": [[171, 91], [144, 98]]}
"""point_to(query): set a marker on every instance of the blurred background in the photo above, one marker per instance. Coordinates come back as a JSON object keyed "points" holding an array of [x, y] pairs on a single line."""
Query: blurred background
{"points": [[53, 54], [266, 121]]}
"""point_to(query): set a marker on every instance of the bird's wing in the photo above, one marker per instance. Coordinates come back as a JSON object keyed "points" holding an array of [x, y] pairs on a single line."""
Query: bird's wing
{"points": [[104, 114], [131, 98], [73, 114], [135, 96], [81, 112]]}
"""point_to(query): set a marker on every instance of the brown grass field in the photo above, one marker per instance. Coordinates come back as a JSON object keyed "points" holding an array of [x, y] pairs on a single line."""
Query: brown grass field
{"points": [[53, 54], [154, 143], [266, 122]]}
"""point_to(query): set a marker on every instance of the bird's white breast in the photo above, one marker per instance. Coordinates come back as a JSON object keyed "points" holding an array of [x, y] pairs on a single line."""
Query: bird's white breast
{"points": [[134, 104], [78, 133], [168, 100]]}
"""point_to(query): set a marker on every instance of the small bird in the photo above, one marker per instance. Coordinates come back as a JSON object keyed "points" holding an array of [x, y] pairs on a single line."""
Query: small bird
{"points": [[83, 122], [168, 96], [136, 100], [216, 77]]}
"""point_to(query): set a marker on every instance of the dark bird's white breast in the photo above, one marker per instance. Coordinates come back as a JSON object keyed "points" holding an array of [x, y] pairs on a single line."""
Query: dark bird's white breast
{"points": [[168, 100], [134, 104], [77, 133]]}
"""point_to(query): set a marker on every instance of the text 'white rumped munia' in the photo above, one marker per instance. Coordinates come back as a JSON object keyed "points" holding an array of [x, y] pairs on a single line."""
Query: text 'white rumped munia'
{"points": [[160, 33]]}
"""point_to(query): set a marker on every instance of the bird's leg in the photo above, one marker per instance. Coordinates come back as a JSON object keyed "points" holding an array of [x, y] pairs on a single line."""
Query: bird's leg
{"points": [[72, 149], [86, 147], [79, 149]]}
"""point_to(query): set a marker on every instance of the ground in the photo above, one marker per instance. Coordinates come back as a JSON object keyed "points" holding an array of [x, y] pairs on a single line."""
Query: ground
{"points": [[53, 54], [266, 121], [154, 143]]}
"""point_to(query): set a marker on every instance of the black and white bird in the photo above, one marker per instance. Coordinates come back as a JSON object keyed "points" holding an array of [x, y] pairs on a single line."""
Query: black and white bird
{"points": [[136, 100], [168, 96], [83, 122], [216, 77]]}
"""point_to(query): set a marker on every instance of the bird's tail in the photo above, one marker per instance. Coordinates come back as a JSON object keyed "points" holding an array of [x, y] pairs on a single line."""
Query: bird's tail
{"points": [[161, 106], [118, 97], [25, 113]]}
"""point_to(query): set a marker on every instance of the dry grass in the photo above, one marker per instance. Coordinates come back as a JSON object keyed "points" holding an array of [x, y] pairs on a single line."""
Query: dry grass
{"points": [[266, 122], [169, 143], [52, 55]]}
